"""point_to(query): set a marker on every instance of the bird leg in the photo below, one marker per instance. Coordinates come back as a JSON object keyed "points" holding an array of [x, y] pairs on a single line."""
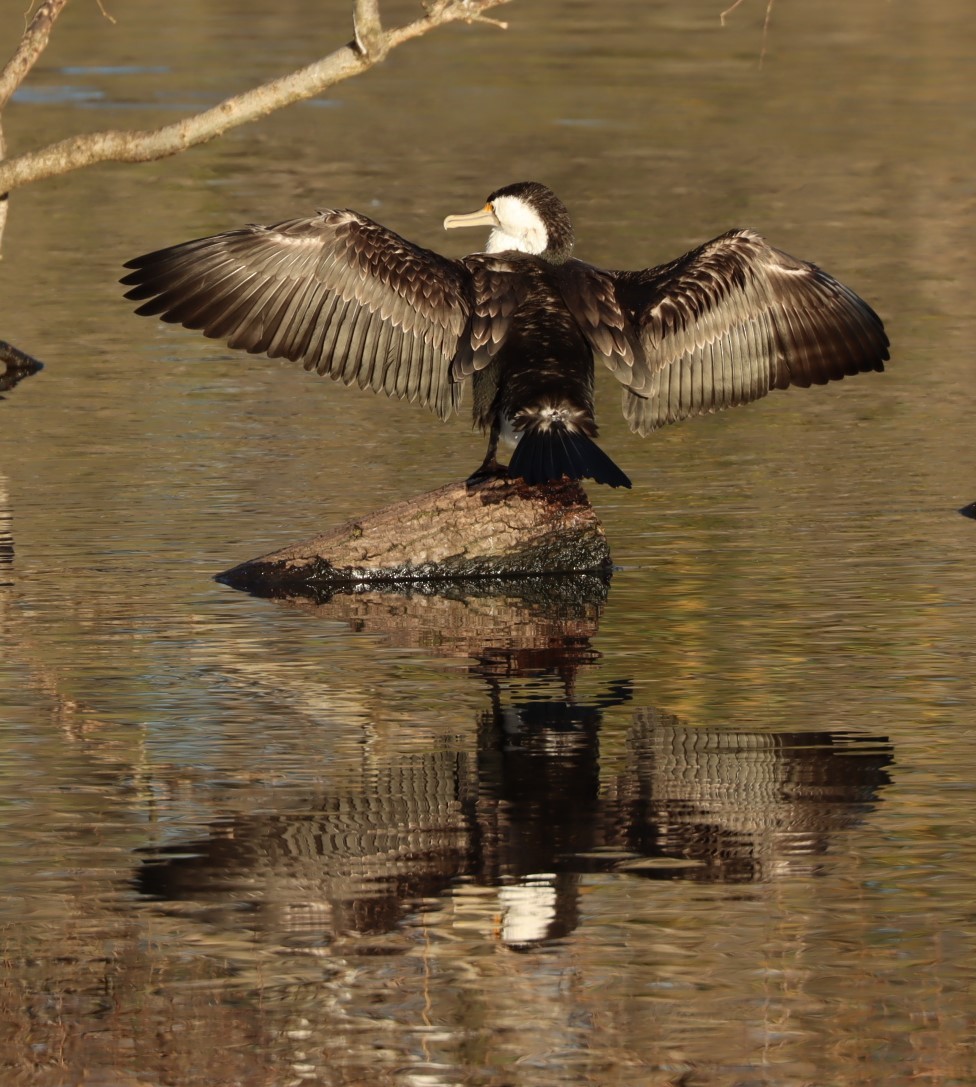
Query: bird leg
{"points": [[490, 468]]}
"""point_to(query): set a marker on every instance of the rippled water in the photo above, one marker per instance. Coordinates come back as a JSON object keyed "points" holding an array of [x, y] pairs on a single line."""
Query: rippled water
{"points": [[714, 829]]}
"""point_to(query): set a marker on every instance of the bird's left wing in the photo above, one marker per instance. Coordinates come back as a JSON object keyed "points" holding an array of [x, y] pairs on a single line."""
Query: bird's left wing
{"points": [[731, 320], [336, 291]]}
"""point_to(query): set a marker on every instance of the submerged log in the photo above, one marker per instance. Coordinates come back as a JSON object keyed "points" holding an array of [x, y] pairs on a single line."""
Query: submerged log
{"points": [[494, 530]]}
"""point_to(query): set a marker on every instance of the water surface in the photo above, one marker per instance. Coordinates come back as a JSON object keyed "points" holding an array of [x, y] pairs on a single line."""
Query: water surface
{"points": [[714, 829]]}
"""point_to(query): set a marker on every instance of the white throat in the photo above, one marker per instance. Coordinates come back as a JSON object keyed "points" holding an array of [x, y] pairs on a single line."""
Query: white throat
{"points": [[520, 228]]}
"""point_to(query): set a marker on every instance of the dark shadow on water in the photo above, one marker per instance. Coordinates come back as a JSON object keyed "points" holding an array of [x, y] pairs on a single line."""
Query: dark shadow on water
{"points": [[16, 366], [527, 810]]}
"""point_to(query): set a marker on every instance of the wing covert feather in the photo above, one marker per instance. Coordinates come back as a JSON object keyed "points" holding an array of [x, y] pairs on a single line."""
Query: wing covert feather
{"points": [[497, 290]]}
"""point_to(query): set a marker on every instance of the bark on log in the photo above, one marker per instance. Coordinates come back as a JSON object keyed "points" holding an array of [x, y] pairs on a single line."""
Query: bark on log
{"points": [[479, 535]]}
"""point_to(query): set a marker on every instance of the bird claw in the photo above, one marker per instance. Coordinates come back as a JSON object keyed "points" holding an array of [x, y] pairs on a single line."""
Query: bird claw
{"points": [[491, 469]]}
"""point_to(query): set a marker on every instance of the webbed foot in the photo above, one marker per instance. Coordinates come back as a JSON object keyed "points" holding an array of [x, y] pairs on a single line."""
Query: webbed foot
{"points": [[490, 469]]}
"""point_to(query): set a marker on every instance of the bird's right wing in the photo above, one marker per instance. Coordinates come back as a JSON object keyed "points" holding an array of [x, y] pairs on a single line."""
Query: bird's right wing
{"points": [[337, 292]]}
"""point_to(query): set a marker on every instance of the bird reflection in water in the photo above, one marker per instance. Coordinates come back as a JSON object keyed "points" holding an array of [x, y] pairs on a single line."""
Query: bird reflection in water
{"points": [[538, 802], [526, 812]]}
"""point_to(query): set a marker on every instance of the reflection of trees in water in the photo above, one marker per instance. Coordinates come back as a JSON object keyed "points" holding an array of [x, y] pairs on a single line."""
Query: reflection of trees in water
{"points": [[530, 814]]}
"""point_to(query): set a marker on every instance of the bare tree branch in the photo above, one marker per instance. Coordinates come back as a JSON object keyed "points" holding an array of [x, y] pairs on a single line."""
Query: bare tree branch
{"points": [[766, 21], [32, 44], [369, 29], [144, 145], [728, 11], [370, 46]]}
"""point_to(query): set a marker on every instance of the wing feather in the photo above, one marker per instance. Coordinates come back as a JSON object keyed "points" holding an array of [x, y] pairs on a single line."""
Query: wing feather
{"points": [[499, 285], [294, 323], [731, 320], [314, 356], [336, 291], [354, 335], [330, 335]]}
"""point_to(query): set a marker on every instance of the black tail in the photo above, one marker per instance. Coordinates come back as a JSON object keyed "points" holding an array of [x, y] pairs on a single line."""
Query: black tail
{"points": [[550, 452]]}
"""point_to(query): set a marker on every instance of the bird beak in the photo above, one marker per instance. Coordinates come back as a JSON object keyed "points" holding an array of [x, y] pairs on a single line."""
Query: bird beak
{"points": [[484, 217]]}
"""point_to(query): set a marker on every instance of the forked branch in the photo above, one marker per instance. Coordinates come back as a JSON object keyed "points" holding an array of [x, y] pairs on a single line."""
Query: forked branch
{"points": [[369, 46], [32, 44]]}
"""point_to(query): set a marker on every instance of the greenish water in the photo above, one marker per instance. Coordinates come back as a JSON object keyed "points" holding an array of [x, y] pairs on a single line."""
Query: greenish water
{"points": [[717, 830]]}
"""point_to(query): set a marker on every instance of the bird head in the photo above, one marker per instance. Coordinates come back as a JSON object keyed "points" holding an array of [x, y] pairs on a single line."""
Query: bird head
{"points": [[526, 217]]}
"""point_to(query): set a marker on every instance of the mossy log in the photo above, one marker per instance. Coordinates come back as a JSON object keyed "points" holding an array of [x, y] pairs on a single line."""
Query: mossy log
{"points": [[490, 531]]}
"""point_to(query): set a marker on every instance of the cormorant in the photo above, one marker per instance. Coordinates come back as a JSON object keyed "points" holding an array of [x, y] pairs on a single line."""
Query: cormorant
{"points": [[525, 320]]}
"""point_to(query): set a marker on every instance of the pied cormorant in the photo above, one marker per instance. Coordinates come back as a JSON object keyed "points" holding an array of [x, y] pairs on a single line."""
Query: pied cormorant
{"points": [[525, 320]]}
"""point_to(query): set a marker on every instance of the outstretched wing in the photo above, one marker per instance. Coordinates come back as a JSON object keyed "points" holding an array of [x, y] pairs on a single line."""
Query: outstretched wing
{"points": [[731, 320], [337, 292]]}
